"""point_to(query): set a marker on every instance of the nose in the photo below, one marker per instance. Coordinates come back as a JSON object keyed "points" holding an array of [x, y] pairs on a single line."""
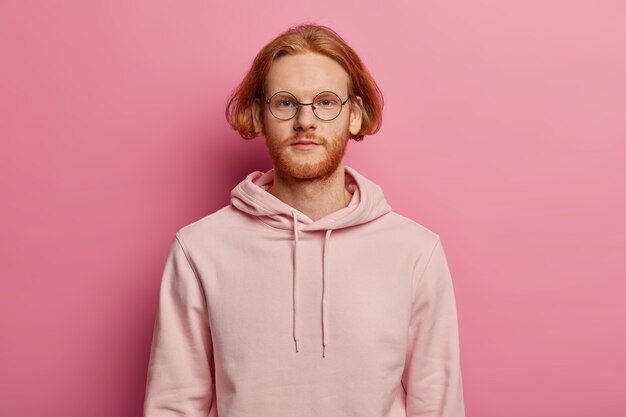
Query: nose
{"points": [[305, 118]]}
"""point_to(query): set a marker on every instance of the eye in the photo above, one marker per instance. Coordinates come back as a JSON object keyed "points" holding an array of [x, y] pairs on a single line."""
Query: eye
{"points": [[285, 103], [326, 102]]}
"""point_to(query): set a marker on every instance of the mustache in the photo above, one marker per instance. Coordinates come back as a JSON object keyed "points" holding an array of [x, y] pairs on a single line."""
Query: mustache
{"points": [[308, 136]]}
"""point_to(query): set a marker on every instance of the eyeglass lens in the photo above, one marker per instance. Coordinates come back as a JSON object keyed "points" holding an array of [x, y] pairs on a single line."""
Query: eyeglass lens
{"points": [[326, 105]]}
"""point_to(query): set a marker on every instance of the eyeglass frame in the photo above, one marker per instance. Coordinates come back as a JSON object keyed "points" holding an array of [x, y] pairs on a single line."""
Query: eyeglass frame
{"points": [[305, 104]]}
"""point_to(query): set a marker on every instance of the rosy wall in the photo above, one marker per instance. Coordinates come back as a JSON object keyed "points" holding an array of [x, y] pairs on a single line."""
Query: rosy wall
{"points": [[504, 132]]}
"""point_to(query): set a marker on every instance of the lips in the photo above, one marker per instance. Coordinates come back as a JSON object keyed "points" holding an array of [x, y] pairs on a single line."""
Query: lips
{"points": [[305, 142]]}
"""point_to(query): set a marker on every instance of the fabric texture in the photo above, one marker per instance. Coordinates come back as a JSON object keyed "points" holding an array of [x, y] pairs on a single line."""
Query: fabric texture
{"points": [[264, 312]]}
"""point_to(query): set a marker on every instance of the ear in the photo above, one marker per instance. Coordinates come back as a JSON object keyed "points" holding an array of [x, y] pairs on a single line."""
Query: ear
{"points": [[356, 115], [257, 116]]}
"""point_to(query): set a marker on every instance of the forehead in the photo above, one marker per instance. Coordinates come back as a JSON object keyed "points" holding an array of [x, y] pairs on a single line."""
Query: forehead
{"points": [[306, 75]]}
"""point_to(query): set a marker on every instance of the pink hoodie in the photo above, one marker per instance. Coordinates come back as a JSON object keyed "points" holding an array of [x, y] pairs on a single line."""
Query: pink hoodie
{"points": [[264, 312]]}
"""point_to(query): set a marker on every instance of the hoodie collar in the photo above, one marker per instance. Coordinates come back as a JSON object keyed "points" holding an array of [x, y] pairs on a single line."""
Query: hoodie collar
{"points": [[367, 203]]}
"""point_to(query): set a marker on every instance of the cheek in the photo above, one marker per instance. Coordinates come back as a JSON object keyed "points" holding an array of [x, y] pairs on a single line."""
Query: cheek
{"points": [[344, 124], [268, 122], [275, 128]]}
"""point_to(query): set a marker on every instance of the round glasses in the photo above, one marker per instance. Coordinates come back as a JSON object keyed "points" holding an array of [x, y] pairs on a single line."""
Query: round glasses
{"points": [[284, 105]]}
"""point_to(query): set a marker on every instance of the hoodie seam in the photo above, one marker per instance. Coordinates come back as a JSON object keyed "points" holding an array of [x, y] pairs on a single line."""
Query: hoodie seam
{"points": [[183, 247], [417, 281]]}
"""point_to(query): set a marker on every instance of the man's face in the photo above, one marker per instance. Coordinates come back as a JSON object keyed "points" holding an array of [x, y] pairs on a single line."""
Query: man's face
{"points": [[304, 76]]}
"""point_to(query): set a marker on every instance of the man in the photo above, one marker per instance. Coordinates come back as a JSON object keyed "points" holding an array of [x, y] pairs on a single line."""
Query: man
{"points": [[307, 296]]}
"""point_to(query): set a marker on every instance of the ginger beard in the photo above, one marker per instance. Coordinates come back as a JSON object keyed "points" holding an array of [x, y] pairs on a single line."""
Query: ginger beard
{"points": [[320, 162]]}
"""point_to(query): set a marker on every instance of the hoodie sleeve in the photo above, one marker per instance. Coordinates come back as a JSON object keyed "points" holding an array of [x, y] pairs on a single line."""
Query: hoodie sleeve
{"points": [[432, 373], [179, 381]]}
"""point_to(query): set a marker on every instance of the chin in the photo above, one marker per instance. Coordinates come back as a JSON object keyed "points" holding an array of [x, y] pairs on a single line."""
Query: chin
{"points": [[317, 163], [307, 170]]}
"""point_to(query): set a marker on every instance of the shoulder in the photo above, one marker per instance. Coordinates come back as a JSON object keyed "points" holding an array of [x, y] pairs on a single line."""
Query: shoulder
{"points": [[208, 228], [419, 230], [410, 233]]}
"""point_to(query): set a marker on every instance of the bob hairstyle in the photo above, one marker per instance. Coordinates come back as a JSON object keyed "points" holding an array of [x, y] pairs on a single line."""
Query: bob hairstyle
{"points": [[296, 40]]}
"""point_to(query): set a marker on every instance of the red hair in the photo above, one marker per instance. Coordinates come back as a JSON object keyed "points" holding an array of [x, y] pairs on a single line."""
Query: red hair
{"points": [[299, 39]]}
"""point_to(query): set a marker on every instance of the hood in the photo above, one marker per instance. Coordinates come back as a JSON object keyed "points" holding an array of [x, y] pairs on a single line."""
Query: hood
{"points": [[367, 203]]}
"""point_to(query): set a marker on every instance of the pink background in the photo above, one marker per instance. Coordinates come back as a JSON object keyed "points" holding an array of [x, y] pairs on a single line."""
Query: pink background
{"points": [[504, 132]]}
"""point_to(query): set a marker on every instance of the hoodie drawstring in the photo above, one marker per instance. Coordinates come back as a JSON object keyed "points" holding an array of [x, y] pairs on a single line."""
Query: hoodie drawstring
{"points": [[295, 262], [324, 272], [295, 285]]}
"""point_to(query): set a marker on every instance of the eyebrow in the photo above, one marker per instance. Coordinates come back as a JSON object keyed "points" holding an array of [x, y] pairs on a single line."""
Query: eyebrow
{"points": [[296, 96]]}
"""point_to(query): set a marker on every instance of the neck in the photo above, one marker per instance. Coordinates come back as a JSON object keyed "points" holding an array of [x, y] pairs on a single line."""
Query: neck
{"points": [[315, 197]]}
